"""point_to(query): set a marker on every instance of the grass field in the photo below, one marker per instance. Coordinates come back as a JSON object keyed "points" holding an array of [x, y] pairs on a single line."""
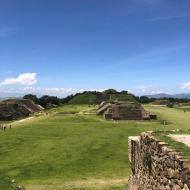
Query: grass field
{"points": [[184, 107], [72, 148]]}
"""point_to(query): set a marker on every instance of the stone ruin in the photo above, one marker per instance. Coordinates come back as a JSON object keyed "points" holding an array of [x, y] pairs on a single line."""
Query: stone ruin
{"points": [[119, 110], [154, 166], [13, 109]]}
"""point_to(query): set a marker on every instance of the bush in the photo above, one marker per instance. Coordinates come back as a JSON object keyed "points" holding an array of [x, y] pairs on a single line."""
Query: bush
{"points": [[7, 183]]}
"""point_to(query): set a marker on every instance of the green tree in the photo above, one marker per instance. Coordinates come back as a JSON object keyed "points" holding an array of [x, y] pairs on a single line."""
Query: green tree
{"points": [[32, 97], [144, 100]]}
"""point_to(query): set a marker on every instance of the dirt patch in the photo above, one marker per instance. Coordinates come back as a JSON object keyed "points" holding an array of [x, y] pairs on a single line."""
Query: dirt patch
{"points": [[182, 138], [23, 120]]}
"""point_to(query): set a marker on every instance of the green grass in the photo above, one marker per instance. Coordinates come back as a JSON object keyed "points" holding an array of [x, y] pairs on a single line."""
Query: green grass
{"points": [[84, 99], [185, 107], [177, 118], [72, 148], [5, 182]]}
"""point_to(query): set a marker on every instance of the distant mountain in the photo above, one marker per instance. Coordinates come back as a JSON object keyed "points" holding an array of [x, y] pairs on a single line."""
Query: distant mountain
{"points": [[10, 95], [185, 95], [157, 96], [162, 95]]}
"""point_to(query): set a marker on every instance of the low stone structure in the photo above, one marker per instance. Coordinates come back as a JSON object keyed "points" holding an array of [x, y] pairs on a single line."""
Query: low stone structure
{"points": [[119, 110], [13, 109], [156, 167]]}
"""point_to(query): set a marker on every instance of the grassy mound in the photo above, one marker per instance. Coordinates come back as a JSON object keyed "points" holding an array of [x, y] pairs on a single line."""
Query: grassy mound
{"points": [[97, 97], [85, 99]]}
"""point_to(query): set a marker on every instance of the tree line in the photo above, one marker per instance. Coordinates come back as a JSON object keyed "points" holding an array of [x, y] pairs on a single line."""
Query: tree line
{"points": [[54, 100]]}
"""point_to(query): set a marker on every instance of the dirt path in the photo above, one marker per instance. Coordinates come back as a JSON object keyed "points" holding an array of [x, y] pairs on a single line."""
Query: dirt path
{"points": [[182, 138], [16, 123], [23, 120], [98, 184]]}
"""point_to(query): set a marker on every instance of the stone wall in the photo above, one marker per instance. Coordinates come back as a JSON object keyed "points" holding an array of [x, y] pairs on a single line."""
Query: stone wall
{"points": [[156, 167]]}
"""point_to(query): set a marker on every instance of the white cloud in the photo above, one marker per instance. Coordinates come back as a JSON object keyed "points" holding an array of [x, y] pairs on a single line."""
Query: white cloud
{"points": [[55, 91], [60, 92], [186, 86], [168, 17], [26, 79], [148, 90], [50, 91]]}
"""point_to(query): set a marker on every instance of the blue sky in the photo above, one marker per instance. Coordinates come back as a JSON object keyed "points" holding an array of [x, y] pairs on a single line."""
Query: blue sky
{"points": [[63, 46]]}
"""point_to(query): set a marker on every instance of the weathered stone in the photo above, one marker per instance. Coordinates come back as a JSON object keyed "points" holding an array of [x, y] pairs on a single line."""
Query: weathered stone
{"points": [[167, 187], [176, 165], [186, 187], [164, 181], [162, 143], [186, 164], [171, 183], [158, 167], [165, 150], [176, 187], [176, 174], [172, 155], [177, 157], [180, 183]]}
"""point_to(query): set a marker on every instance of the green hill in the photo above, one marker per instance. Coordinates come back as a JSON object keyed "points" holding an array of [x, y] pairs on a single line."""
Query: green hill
{"points": [[98, 97], [84, 99]]}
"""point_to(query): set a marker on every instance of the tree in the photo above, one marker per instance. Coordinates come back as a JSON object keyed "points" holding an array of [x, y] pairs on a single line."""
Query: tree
{"points": [[124, 92], [45, 100], [110, 91], [32, 97], [144, 100]]}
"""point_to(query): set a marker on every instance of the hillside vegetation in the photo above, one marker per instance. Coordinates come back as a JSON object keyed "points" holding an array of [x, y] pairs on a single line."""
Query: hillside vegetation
{"points": [[95, 97], [98, 97], [86, 97], [72, 148]]}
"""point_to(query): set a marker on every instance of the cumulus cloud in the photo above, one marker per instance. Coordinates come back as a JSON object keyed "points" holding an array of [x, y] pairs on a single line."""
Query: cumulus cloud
{"points": [[60, 92], [186, 86], [56, 91], [148, 90], [26, 79], [50, 91]]}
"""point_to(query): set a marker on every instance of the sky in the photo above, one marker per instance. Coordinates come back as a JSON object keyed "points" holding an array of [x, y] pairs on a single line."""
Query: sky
{"points": [[60, 47]]}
